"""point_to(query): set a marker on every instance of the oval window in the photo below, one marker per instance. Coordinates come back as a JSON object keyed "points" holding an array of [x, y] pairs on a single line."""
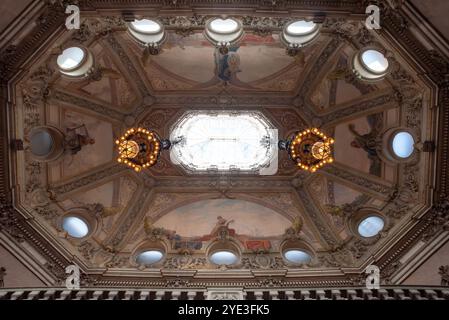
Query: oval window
{"points": [[375, 61], [370, 226], [146, 26], [75, 227], [301, 27], [71, 58], [403, 144], [297, 256], [41, 143], [223, 26], [223, 258], [149, 257]]}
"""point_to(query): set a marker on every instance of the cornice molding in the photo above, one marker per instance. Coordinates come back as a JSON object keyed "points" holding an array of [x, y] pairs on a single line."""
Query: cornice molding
{"points": [[51, 18], [282, 5], [174, 290]]}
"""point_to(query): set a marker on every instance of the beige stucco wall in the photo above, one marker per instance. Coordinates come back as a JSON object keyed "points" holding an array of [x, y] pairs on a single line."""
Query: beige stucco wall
{"points": [[427, 273], [17, 275], [10, 10]]}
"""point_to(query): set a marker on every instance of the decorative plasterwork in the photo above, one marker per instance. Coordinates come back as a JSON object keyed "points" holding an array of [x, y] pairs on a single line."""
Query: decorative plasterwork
{"points": [[340, 254]]}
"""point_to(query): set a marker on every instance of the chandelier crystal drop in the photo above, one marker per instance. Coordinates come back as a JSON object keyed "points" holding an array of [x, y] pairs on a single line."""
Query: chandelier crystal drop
{"points": [[139, 148], [310, 149]]}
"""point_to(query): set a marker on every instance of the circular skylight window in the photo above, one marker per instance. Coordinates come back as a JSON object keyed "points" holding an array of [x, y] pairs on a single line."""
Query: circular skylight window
{"points": [[149, 257], [301, 27], [223, 258], [71, 58], [403, 144], [224, 26], [370, 226], [299, 33], [146, 26], [297, 256], [41, 143], [219, 31], [147, 31], [75, 227], [375, 61], [370, 64]]}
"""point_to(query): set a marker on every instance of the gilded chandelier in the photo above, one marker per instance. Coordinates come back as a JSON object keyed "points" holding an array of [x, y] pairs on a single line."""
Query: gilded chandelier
{"points": [[310, 149], [140, 148]]}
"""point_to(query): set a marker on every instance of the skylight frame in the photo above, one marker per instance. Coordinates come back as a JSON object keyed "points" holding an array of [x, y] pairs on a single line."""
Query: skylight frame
{"points": [[178, 157], [302, 34], [78, 65], [136, 29], [212, 29], [368, 68]]}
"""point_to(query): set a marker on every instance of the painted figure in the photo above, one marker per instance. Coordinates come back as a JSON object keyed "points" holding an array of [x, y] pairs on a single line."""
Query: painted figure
{"points": [[367, 142]]}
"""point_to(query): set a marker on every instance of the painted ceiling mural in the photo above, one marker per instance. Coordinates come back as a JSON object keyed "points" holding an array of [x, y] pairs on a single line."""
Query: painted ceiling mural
{"points": [[185, 213], [192, 63]]}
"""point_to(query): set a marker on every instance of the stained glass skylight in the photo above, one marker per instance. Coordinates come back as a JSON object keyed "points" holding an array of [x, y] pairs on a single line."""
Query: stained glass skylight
{"points": [[224, 141]]}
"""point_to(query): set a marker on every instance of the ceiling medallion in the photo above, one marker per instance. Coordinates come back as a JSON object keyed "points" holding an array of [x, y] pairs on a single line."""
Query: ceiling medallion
{"points": [[310, 149], [140, 148]]}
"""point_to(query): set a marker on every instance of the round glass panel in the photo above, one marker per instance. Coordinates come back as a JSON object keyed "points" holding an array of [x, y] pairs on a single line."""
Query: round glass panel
{"points": [[297, 256], [375, 61], [301, 27], [70, 58], [41, 143], [371, 226], [403, 144], [223, 257], [223, 26], [75, 227], [149, 257], [146, 26]]}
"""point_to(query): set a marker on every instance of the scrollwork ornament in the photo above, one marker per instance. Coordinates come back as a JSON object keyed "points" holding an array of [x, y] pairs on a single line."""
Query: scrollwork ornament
{"points": [[438, 220], [9, 221]]}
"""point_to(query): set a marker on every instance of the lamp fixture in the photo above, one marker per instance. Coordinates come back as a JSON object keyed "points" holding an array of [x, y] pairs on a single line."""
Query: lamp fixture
{"points": [[310, 149], [140, 148]]}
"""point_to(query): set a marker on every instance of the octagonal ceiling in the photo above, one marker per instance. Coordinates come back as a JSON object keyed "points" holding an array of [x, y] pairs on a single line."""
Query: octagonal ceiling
{"points": [[182, 212]]}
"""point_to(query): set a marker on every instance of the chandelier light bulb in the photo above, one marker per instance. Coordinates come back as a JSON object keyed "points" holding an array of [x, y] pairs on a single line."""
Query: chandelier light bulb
{"points": [[139, 148], [310, 149]]}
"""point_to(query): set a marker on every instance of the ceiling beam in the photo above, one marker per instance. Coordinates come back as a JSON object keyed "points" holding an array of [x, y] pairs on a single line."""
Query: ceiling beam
{"points": [[97, 176], [325, 232], [133, 216], [312, 75], [366, 104], [97, 108], [128, 69], [364, 183]]}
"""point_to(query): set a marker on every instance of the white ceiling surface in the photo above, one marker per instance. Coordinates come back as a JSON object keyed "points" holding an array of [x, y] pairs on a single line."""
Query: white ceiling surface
{"points": [[10, 10], [436, 12]]}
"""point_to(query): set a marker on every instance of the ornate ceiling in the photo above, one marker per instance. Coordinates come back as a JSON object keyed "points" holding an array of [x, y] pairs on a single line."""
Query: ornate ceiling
{"points": [[165, 205]]}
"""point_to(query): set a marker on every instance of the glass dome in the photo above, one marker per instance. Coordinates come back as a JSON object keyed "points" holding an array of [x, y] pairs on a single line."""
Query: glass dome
{"points": [[149, 257], [223, 26], [75, 227], [375, 61], [301, 27], [403, 144], [41, 143], [370, 226], [223, 258], [297, 256], [146, 26], [71, 58]]}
